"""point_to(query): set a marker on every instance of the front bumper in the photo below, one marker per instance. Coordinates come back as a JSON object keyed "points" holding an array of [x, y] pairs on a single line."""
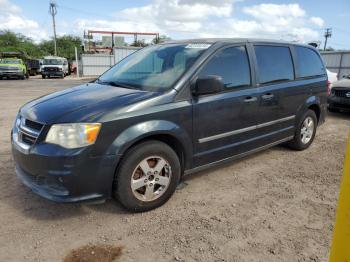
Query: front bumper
{"points": [[11, 74], [52, 73], [65, 175], [339, 103]]}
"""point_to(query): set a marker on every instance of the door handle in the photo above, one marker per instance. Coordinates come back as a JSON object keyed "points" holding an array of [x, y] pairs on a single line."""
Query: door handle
{"points": [[250, 99], [267, 96]]}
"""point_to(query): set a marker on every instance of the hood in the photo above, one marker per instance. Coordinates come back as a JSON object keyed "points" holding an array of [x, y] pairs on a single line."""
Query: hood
{"points": [[342, 84], [81, 103]]}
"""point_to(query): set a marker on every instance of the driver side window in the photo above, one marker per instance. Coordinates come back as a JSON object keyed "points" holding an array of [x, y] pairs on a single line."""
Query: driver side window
{"points": [[232, 65]]}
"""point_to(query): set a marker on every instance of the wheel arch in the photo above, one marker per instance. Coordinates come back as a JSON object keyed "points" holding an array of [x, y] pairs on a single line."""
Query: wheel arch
{"points": [[159, 130], [312, 103]]}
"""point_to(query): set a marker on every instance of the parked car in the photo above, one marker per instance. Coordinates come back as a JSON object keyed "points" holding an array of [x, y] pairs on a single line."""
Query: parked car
{"points": [[165, 111], [33, 66], [339, 100], [54, 66], [332, 77], [13, 68]]}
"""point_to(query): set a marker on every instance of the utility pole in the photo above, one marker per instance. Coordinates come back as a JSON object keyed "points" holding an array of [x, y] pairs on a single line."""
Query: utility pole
{"points": [[327, 34], [53, 12]]}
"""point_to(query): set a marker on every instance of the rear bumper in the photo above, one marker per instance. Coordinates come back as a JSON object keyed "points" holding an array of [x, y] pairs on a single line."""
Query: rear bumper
{"points": [[65, 176]]}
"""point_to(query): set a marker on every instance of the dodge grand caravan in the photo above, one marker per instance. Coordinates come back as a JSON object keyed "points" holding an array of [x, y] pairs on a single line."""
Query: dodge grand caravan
{"points": [[165, 111]]}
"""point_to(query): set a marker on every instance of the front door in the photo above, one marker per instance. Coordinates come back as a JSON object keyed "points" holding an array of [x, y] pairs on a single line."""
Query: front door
{"points": [[224, 123]]}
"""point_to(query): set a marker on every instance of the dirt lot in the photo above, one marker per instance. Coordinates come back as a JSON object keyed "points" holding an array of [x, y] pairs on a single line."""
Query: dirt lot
{"points": [[277, 205]]}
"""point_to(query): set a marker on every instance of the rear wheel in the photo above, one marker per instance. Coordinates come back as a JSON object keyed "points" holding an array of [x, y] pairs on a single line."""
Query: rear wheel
{"points": [[147, 177], [305, 132]]}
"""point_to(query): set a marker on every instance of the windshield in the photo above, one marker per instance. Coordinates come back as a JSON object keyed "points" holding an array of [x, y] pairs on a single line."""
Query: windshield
{"points": [[52, 62], [10, 61], [154, 68]]}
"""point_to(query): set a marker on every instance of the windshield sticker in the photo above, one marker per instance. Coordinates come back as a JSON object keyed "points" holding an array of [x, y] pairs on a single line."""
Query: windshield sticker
{"points": [[200, 46]]}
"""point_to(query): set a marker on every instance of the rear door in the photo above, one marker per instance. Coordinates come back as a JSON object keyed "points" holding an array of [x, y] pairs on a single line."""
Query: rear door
{"points": [[277, 90], [224, 123]]}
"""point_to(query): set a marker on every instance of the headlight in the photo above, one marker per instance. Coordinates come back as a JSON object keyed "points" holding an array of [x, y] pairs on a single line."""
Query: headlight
{"points": [[73, 135]]}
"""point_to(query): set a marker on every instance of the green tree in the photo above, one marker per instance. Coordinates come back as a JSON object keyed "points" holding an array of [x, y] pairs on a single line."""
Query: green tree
{"points": [[65, 46], [161, 39], [12, 42], [139, 43]]}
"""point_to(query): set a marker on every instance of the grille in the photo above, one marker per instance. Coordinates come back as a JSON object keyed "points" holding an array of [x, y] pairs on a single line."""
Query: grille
{"points": [[341, 93], [8, 68], [28, 131], [51, 69]]}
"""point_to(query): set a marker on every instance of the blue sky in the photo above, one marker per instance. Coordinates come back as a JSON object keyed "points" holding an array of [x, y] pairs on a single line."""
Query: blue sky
{"points": [[289, 20]]}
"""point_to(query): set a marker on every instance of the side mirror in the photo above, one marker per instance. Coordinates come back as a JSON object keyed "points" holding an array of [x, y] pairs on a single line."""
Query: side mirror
{"points": [[208, 85]]}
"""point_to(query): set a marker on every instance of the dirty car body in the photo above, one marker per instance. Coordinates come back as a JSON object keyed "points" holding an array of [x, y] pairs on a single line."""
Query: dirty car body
{"points": [[203, 130]]}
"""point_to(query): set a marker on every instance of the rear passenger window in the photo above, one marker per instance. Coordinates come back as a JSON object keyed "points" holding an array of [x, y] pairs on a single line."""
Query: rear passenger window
{"points": [[232, 65], [309, 62], [274, 63]]}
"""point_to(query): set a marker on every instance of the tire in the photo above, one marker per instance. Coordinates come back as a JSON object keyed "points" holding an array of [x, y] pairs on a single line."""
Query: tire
{"points": [[305, 132], [43, 77], [147, 193]]}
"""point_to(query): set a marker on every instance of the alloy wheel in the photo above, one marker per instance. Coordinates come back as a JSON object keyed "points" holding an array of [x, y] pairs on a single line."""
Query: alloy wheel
{"points": [[151, 178], [307, 130]]}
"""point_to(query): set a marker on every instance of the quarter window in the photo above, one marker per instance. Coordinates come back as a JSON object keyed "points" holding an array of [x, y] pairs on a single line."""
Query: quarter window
{"points": [[274, 64], [232, 65], [309, 62]]}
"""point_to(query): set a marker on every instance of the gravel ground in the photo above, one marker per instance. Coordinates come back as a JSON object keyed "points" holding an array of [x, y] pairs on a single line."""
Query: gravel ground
{"points": [[277, 205]]}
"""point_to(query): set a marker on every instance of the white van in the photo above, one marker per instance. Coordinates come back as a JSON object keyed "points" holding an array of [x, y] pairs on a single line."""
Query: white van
{"points": [[54, 66]]}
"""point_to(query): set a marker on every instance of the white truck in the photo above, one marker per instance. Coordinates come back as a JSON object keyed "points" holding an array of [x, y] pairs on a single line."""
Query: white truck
{"points": [[54, 66]]}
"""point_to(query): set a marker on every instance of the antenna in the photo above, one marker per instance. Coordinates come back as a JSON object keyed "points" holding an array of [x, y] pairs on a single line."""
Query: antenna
{"points": [[53, 12]]}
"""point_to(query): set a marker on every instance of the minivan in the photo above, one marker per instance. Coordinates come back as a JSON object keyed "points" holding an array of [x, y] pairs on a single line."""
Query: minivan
{"points": [[165, 111]]}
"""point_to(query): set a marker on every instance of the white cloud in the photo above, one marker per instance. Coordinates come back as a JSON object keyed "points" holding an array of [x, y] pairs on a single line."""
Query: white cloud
{"points": [[184, 15], [12, 19], [317, 21], [7, 7], [209, 18], [184, 19], [266, 11]]}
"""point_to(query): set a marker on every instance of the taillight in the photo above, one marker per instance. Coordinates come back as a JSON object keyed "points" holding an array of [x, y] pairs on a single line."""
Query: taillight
{"points": [[329, 87]]}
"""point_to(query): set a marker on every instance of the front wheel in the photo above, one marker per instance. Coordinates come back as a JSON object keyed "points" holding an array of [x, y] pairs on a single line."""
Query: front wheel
{"points": [[305, 131], [147, 177]]}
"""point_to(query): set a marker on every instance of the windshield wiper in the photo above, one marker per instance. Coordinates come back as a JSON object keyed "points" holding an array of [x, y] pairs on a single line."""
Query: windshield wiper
{"points": [[114, 83]]}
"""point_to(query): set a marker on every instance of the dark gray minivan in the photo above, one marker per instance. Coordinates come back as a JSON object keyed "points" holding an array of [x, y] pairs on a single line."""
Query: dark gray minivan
{"points": [[165, 111]]}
